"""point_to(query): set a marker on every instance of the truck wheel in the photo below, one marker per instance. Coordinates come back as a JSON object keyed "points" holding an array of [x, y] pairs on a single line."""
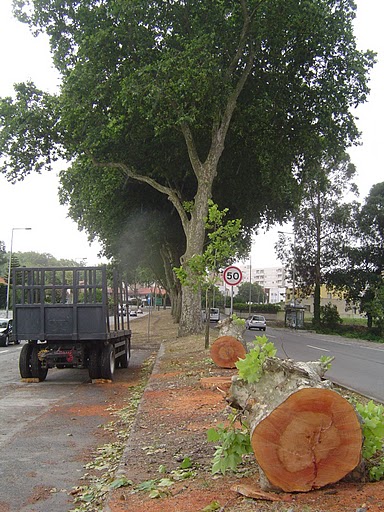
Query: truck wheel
{"points": [[124, 359], [25, 361], [38, 372], [108, 362], [94, 368]]}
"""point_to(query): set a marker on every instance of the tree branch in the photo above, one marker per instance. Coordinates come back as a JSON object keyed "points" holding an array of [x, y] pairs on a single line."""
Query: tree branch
{"points": [[130, 173]]}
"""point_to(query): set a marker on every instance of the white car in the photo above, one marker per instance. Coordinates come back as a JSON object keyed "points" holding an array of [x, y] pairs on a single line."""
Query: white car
{"points": [[256, 322], [214, 315]]}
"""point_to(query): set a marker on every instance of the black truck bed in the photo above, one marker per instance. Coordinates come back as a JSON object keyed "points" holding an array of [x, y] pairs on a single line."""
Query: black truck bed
{"points": [[66, 304]]}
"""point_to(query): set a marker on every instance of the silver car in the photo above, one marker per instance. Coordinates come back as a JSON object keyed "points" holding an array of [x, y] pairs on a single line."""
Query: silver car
{"points": [[256, 322]]}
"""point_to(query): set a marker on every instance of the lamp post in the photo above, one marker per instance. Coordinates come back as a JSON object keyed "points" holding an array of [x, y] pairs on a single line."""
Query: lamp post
{"points": [[293, 266], [250, 286], [9, 268]]}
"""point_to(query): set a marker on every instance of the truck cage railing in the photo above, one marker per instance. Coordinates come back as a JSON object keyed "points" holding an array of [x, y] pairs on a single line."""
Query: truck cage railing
{"points": [[64, 303]]}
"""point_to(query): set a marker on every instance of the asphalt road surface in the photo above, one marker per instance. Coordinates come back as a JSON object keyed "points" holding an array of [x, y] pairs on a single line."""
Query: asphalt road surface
{"points": [[358, 364], [48, 429]]}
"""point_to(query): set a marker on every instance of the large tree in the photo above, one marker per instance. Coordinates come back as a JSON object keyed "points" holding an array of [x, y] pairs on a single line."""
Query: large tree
{"points": [[322, 228], [362, 275], [179, 95], [250, 292]]}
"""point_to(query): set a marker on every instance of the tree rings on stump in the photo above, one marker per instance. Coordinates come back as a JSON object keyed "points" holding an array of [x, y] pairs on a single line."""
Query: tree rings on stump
{"points": [[226, 351], [312, 439]]}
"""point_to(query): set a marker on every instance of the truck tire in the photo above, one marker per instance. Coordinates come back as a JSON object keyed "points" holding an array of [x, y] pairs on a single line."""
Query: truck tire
{"points": [[38, 372], [25, 361], [94, 368], [108, 362], [124, 359]]}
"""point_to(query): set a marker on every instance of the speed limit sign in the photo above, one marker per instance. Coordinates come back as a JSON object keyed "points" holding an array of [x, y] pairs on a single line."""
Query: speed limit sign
{"points": [[232, 276]]}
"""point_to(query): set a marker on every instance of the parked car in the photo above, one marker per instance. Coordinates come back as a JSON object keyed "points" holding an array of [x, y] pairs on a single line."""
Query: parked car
{"points": [[133, 312], [5, 331], [256, 322], [214, 315]]}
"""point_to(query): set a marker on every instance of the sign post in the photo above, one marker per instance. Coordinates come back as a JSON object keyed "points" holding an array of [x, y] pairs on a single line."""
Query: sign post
{"points": [[232, 276]]}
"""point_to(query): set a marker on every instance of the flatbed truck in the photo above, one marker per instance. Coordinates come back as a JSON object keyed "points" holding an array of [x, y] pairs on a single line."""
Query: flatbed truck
{"points": [[69, 317]]}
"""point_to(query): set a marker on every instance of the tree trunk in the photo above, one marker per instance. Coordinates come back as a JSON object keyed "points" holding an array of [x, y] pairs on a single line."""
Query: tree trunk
{"points": [[311, 440], [303, 434], [207, 318], [190, 318], [226, 351], [316, 299]]}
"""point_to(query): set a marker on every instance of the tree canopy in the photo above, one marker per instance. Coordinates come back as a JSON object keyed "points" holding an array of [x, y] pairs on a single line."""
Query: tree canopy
{"points": [[361, 276], [196, 99], [250, 292], [322, 228]]}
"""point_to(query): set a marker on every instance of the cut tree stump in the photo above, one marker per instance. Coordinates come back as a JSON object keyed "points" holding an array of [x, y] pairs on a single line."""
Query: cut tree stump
{"points": [[226, 351], [304, 434], [312, 439]]}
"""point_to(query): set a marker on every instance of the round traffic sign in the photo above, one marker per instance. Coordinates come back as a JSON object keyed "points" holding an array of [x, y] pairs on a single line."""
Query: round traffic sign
{"points": [[232, 276]]}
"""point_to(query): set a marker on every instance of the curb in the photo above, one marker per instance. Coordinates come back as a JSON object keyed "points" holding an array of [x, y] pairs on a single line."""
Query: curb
{"points": [[124, 462]]}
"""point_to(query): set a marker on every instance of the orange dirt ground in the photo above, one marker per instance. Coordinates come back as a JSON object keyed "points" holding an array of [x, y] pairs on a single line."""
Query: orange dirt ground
{"points": [[181, 401]]}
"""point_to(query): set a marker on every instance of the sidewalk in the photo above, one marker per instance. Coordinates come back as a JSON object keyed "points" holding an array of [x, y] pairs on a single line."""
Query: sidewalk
{"points": [[184, 397], [175, 412]]}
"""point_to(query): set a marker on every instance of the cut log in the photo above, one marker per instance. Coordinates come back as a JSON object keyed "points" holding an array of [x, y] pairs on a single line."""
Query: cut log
{"points": [[226, 351], [304, 435], [228, 327], [312, 439]]}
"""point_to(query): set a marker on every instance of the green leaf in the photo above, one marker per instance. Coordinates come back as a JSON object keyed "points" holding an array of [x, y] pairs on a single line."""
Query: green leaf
{"points": [[120, 482], [186, 463], [214, 505]]}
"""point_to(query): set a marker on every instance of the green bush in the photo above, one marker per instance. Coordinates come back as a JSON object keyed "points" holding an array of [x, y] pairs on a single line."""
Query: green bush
{"points": [[258, 308], [329, 316]]}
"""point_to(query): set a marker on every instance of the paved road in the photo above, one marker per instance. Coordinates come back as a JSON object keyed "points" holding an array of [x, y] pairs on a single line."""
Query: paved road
{"points": [[358, 364], [48, 429]]}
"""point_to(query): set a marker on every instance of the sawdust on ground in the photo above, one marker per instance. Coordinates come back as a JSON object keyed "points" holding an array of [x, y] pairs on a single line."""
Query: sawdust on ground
{"points": [[171, 425]]}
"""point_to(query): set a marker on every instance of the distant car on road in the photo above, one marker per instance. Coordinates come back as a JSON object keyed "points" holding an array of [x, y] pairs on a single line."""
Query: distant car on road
{"points": [[133, 312], [214, 315], [122, 309], [256, 322], [6, 332]]}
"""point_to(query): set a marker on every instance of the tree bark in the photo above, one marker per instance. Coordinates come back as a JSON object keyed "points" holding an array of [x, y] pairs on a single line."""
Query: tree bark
{"points": [[304, 435]]}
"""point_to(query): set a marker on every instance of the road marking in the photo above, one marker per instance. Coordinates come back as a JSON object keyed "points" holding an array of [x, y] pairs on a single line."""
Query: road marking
{"points": [[318, 348], [18, 347], [359, 345]]}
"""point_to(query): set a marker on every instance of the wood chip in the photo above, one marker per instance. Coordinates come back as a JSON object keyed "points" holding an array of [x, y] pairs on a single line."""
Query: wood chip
{"points": [[252, 492]]}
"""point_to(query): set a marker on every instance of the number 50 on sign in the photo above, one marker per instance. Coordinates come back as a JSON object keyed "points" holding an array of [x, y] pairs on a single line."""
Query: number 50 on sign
{"points": [[232, 276]]}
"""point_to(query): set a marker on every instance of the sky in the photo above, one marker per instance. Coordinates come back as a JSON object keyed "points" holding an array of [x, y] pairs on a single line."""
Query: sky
{"points": [[34, 202]]}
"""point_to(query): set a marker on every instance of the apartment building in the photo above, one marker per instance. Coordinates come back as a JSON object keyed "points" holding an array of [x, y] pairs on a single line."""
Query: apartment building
{"points": [[271, 279]]}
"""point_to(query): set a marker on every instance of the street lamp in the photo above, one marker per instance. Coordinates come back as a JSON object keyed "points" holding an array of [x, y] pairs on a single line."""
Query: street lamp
{"points": [[9, 268], [294, 264]]}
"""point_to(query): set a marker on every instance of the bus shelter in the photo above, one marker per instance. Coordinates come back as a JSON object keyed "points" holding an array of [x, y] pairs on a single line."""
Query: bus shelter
{"points": [[294, 317]]}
